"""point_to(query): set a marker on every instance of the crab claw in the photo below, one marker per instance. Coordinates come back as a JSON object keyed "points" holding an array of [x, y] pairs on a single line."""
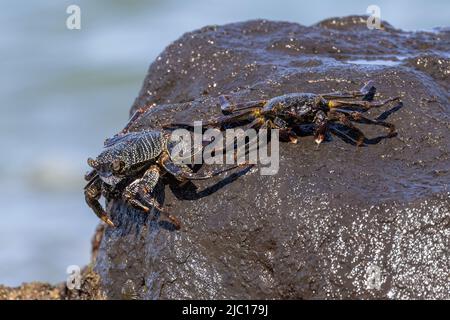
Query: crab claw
{"points": [[293, 139], [92, 193], [288, 136], [319, 139], [108, 221]]}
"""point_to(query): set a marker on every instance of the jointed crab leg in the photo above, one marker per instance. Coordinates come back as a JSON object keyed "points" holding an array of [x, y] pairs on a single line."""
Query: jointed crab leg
{"points": [[321, 127], [92, 193], [143, 188], [367, 92], [339, 132], [136, 115], [164, 215], [183, 173], [345, 117], [242, 115], [345, 120], [139, 193], [360, 103], [227, 106], [286, 134], [147, 183], [358, 117]]}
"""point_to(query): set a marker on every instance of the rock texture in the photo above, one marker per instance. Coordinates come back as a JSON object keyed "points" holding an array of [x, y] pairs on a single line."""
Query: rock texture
{"points": [[331, 214], [89, 290]]}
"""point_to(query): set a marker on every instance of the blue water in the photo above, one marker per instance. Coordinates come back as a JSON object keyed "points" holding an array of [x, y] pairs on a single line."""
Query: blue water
{"points": [[63, 91]]}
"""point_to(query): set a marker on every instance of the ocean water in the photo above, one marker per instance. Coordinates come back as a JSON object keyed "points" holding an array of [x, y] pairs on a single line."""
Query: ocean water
{"points": [[64, 91]]}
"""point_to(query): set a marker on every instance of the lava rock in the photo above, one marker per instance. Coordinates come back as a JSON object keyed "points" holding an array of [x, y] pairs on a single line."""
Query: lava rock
{"points": [[336, 221]]}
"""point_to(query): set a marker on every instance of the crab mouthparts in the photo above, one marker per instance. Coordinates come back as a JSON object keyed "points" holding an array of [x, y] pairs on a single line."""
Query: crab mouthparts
{"points": [[109, 178]]}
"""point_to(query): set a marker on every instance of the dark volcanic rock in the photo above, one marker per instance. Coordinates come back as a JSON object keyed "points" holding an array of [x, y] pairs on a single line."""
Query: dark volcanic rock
{"points": [[315, 229]]}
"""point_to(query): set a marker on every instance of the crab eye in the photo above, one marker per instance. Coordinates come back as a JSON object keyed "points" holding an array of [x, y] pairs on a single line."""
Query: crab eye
{"points": [[117, 165], [92, 163]]}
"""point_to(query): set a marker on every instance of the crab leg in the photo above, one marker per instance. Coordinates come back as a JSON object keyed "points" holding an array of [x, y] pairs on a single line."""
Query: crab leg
{"points": [[340, 133], [321, 127], [345, 120], [133, 118], [136, 115], [360, 103], [228, 107], [239, 116], [183, 173], [223, 120], [367, 92], [143, 188], [358, 117], [164, 215], [92, 193], [147, 183]]}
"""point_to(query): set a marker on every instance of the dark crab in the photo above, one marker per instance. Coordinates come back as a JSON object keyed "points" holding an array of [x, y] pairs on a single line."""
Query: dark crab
{"points": [[323, 111], [130, 166]]}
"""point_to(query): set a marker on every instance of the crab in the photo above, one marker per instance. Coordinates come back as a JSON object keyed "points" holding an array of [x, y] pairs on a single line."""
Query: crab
{"points": [[130, 166], [323, 111]]}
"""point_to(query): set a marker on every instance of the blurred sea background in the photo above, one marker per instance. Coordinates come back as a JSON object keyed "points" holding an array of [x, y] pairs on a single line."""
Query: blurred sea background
{"points": [[64, 91]]}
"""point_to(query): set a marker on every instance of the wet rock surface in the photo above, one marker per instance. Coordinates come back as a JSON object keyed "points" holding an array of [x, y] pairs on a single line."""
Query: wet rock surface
{"points": [[333, 214]]}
